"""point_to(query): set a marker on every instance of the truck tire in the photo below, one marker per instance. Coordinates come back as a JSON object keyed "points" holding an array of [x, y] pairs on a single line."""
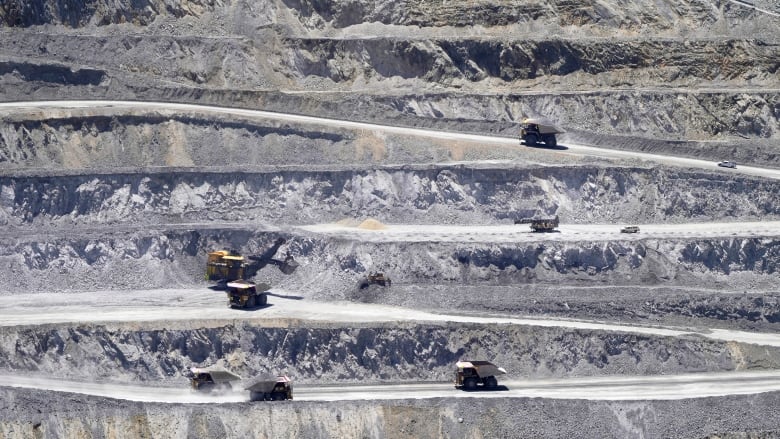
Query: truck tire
{"points": [[549, 140], [250, 303], [262, 300], [491, 382], [470, 383], [531, 139], [278, 396], [255, 396]]}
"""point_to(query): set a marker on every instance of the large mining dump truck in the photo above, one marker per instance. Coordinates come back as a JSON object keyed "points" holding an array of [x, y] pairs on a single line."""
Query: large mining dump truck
{"points": [[212, 378], [540, 223], [245, 294], [271, 388], [534, 131], [470, 374]]}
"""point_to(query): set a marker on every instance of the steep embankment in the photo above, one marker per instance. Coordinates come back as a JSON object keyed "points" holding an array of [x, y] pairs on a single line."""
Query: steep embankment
{"points": [[161, 352], [695, 70], [427, 195]]}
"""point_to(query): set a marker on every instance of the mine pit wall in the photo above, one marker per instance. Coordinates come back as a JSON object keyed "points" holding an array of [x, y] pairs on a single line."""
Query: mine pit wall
{"points": [[739, 117], [331, 269], [392, 352], [108, 141], [606, 63], [442, 194], [673, 18], [722, 71], [69, 416]]}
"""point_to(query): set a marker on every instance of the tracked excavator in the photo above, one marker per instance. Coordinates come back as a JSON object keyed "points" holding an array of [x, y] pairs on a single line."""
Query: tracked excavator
{"points": [[224, 266], [375, 278]]}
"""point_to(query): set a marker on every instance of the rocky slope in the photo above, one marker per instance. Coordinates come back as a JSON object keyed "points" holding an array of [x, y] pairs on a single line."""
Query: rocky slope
{"points": [[706, 69], [458, 194], [394, 353]]}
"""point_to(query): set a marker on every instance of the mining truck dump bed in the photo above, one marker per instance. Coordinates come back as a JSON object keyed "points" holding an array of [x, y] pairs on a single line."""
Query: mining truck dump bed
{"points": [[270, 388], [211, 378]]}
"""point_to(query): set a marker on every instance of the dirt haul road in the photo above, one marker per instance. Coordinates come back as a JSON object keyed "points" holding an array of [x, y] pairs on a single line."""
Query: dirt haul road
{"points": [[122, 107], [668, 387], [170, 306], [522, 233], [450, 233]]}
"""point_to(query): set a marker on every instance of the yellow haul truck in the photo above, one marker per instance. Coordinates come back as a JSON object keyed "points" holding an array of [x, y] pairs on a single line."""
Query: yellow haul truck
{"points": [[245, 294]]}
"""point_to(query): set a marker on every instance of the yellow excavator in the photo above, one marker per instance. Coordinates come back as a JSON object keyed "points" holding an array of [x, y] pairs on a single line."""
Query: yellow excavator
{"points": [[226, 265]]}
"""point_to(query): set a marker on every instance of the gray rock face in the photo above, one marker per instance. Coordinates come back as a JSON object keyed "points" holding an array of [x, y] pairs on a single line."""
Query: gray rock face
{"points": [[451, 60], [487, 196], [695, 70], [632, 15], [19, 13], [321, 355]]}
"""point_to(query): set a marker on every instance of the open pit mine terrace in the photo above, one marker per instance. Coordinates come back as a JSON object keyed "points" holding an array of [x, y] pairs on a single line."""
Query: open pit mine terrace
{"points": [[104, 306]]}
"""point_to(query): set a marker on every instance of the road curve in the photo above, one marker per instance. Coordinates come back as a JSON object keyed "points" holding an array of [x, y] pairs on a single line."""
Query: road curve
{"points": [[609, 388], [187, 305], [754, 7], [116, 107]]}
